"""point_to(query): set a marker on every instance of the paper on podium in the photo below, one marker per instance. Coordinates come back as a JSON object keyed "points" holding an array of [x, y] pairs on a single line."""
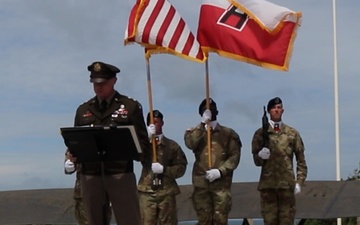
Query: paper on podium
{"points": [[102, 143]]}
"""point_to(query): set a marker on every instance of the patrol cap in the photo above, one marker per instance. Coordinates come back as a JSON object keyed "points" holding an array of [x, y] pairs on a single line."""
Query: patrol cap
{"points": [[156, 113], [203, 104], [273, 102], [100, 72]]}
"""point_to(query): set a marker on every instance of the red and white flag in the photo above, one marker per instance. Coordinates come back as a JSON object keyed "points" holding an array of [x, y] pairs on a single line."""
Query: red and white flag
{"points": [[254, 31], [156, 25]]}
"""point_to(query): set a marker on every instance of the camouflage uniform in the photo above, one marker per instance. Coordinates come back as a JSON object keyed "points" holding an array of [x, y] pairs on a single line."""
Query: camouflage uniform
{"points": [[79, 210], [80, 214], [159, 206], [277, 179], [212, 200]]}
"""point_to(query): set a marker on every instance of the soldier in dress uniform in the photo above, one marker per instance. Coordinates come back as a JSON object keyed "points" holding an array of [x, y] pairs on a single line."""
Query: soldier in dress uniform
{"points": [[109, 107], [278, 183], [157, 185], [212, 186]]}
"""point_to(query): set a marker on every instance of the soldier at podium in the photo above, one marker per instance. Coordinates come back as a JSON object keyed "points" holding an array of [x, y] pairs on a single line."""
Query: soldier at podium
{"points": [[118, 181]]}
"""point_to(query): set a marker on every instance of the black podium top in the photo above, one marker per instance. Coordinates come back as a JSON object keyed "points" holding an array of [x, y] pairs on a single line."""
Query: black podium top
{"points": [[101, 143]]}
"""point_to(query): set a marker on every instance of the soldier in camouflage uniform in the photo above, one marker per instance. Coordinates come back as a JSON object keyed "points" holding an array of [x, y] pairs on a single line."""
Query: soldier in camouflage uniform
{"points": [[212, 186], [278, 184], [80, 214], [157, 185]]}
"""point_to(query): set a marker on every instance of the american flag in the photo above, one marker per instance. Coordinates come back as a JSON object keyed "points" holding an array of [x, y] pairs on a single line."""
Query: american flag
{"points": [[156, 25]]}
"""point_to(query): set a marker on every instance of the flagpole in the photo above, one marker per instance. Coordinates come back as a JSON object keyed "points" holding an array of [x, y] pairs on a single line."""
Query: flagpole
{"points": [[336, 91], [154, 159], [156, 180], [208, 131], [336, 101]]}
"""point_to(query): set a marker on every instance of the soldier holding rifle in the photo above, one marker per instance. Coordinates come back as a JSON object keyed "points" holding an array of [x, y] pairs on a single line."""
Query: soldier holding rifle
{"points": [[213, 167], [274, 147]]}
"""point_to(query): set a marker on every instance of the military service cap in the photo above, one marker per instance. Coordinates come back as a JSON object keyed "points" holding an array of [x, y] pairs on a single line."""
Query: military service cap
{"points": [[203, 104], [156, 113], [100, 72], [273, 102]]}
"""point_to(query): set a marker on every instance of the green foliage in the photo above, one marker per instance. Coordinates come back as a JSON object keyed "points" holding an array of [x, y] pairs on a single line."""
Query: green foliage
{"points": [[320, 222], [344, 221], [356, 175], [349, 221]]}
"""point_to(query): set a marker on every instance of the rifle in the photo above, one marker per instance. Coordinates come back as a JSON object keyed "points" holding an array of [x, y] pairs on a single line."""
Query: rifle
{"points": [[265, 126]]}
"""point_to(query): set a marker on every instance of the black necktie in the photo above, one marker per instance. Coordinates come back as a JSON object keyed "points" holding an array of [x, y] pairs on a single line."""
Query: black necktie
{"points": [[103, 106]]}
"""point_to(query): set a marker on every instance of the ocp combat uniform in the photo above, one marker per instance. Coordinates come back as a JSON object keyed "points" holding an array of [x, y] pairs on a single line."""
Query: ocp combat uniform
{"points": [[158, 205], [277, 179], [80, 213], [212, 200]]}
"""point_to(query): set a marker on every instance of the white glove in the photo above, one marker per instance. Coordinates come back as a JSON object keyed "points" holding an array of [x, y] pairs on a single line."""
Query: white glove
{"points": [[297, 189], [213, 124], [264, 153], [213, 174], [206, 126], [151, 129], [69, 166], [157, 168], [206, 116]]}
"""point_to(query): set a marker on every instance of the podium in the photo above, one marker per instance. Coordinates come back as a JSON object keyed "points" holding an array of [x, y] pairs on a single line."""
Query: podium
{"points": [[102, 143]]}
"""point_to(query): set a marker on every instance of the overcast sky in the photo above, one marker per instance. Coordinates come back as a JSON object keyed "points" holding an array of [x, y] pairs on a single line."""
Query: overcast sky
{"points": [[46, 46]]}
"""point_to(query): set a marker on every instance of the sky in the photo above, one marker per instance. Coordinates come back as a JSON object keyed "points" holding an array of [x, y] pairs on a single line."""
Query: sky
{"points": [[46, 46]]}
